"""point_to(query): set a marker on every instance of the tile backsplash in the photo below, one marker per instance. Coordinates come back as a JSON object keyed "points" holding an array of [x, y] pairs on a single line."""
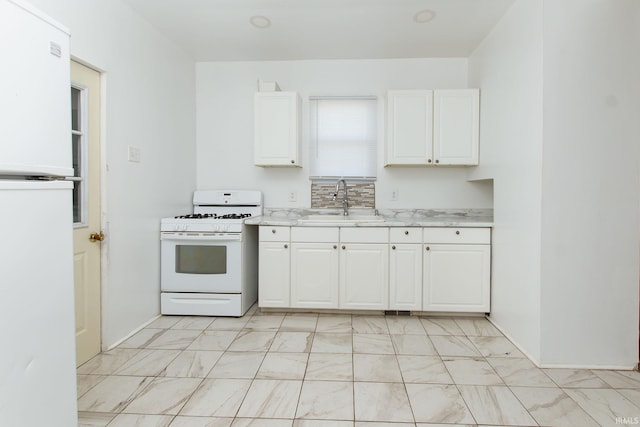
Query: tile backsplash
{"points": [[361, 195]]}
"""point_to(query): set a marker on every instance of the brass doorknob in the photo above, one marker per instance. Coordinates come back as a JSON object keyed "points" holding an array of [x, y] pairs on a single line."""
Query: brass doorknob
{"points": [[96, 237]]}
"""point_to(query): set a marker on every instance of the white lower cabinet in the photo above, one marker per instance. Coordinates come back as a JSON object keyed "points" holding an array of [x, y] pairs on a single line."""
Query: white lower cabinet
{"points": [[405, 268], [274, 267], [405, 277], [375, 268], [364, 276], [314, 267], [456, 276], [364, 268], [314, 275]]}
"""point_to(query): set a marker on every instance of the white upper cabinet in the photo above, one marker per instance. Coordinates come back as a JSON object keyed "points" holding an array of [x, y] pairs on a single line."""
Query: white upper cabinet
{"points": [[277, 129], [456, 125], [409, 127], [439, 127]]}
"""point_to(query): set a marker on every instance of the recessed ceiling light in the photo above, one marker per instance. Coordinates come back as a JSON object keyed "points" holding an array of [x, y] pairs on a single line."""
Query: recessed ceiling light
{"points": [[260, 21], [424, 16]]}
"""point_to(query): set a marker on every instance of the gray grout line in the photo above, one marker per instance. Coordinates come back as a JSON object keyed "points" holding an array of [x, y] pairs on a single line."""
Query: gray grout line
{"points": [[255, 314]]}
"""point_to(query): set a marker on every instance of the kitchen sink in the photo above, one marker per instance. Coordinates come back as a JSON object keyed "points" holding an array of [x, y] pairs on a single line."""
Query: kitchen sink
{"points": [[339, 218]]}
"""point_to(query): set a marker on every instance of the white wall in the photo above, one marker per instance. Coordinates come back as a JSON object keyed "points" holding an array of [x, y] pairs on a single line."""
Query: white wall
{"points": [[150, 103], [590, 201], [559, 132], [225, 128], [508, 67]]}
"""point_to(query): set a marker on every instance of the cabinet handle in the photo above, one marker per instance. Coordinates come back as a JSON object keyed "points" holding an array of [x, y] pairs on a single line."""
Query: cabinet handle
{"points": [[393, 247], [406, 233], [273, 231], [286, 246], [437, 161], [344, 247], [335, 246], [428, 248], [429, 161], [457, 231], [293, 162]]}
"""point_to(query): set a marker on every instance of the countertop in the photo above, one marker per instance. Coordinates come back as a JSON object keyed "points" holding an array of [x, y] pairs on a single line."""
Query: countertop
{"points": [[392, 218]]}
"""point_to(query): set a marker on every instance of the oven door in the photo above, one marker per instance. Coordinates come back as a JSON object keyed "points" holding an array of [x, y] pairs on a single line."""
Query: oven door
{"points": [[201, 262]]}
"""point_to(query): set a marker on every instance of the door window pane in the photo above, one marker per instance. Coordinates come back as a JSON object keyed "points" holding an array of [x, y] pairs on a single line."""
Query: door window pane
{"points": [[76, 113], [78, 151]]}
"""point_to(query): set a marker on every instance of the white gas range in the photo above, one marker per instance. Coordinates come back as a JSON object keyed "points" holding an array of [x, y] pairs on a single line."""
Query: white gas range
{"points": [[209, 259]]}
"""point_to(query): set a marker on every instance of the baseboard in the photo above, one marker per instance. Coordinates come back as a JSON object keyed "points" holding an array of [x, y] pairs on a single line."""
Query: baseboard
{"points": [[132, 333]]}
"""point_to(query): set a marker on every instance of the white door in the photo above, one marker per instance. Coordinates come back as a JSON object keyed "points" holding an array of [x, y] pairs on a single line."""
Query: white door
{"points": [[314, 275], [85, 122]]}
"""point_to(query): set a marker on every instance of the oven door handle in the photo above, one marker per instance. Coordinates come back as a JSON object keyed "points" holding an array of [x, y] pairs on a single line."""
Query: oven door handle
{"points": [[209, 237]]}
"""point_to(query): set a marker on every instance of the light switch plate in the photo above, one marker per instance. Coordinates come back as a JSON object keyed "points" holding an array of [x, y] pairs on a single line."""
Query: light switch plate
{"points": [[133, 154]]}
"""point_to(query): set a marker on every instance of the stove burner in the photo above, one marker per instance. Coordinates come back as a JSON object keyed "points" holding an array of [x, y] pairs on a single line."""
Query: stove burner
{"points": [[214, 216], [195, 216], [234, 216]]}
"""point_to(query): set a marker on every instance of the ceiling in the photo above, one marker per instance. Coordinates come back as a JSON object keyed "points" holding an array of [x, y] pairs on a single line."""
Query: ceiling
{"points": [[220, 30]]}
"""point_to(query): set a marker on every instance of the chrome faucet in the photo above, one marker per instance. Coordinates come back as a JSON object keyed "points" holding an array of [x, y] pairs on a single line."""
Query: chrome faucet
{"points": [[345, 199]]}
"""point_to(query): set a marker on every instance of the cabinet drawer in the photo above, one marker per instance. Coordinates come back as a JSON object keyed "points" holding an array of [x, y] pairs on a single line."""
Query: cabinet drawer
{"points": [[274, 234], [364, 234], [315, 234], [460, 235], [405, 235]]}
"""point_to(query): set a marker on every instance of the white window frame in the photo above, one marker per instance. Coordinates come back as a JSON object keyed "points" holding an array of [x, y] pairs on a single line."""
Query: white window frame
{"points": [[82, 133]]}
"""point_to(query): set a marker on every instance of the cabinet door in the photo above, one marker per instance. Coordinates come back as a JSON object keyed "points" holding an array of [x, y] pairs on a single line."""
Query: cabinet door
{"points": [[409, 127], [314, 275], [456, 278], [456, 124], [364, 276], [277, 129], [405, 277], [273, 274]]}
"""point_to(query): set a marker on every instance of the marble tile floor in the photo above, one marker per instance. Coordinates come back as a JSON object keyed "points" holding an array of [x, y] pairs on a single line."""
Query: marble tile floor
{"points": [[309, 370]]}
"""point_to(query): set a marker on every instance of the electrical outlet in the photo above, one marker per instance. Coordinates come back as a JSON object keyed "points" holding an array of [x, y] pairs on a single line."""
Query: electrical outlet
{"points": [[293, 196], [394, 195]]}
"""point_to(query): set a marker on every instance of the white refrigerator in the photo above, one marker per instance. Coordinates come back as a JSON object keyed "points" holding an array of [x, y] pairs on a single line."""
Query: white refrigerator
{"points": [[37, 328]]}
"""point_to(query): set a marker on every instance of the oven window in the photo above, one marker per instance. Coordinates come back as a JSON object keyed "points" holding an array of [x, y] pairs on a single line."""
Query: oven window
{"points": [[195, 259]]}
